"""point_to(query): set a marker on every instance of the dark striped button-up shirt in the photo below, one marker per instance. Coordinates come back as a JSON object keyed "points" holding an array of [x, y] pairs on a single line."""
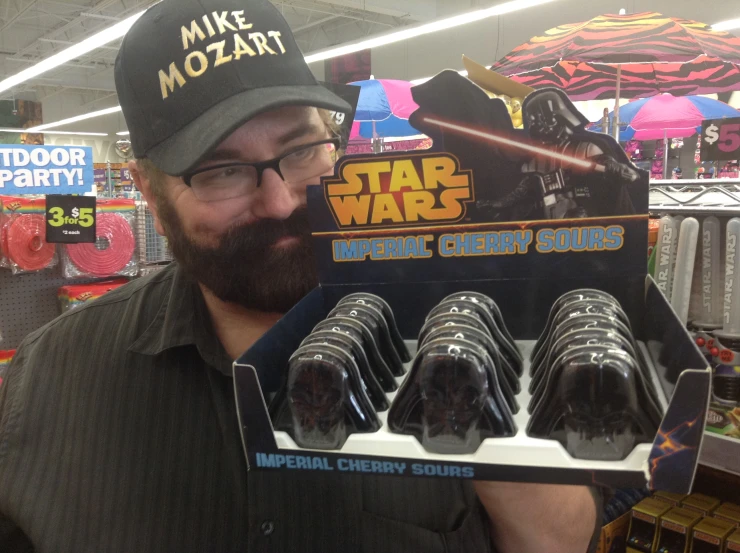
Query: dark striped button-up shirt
{"points": [[118, 434]]}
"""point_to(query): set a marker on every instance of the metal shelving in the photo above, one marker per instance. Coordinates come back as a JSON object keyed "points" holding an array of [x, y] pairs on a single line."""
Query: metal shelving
{"points": [[702, 197], [720, 197]]}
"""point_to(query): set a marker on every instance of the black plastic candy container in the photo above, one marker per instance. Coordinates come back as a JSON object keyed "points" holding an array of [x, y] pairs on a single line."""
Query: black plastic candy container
{"points": [[447, 401], [326, 399], [374, 320], [477, 309], [491, 305], [595, 405], [454, 330], [385, 309], [358, 330], [569, 297], [352, 346]]}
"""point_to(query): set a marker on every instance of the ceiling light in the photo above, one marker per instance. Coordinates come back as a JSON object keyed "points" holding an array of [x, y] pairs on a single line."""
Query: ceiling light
{"points": [[55, 132], [123, 133], [76, 118], [405, 34], [726, 25], [433, 27], [75, 51]]}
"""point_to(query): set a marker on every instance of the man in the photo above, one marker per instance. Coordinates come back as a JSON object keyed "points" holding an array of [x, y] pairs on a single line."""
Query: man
{"points": [[118, 430]]}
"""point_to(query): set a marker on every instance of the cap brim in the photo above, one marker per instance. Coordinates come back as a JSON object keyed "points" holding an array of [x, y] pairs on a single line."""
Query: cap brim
{"points": [[187, 148]]}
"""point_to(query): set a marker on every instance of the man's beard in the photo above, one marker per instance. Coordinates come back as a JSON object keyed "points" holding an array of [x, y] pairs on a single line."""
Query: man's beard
{"points": [[246, 268]]}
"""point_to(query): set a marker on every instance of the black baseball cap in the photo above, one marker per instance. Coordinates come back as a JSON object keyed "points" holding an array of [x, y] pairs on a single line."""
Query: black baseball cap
{"points": [[190, 72]]}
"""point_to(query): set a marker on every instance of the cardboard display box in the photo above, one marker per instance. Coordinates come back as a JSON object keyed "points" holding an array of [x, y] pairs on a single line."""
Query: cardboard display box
{"points": [[674, 499], [728, 512], [414, 227], [733, 542], [702, 504], [645, 524], [614, 535], [675, 530], [710, 534], [724, 420]]}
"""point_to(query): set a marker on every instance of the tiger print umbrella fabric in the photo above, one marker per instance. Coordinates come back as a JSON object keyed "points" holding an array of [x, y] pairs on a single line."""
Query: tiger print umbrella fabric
{"points": [[657, 54]]}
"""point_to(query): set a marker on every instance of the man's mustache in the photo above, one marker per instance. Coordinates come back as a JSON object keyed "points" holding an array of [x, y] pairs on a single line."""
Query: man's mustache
{"points": [[266, 232]]}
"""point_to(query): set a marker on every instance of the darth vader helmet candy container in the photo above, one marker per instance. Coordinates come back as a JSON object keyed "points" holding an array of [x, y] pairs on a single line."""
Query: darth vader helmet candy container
{"points": [[562, 301], [352, 346], [574, 309], [481, 339], [374, 320], [492, 307], [509, 351], [573, 339], [448, 401], [358, 330], [325, 398], [380, 304], [595, 404], [569, 336]]}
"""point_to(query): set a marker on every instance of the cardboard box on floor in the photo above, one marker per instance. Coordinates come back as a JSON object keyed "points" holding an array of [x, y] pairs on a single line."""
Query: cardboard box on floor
{"points": [[414, 227]]}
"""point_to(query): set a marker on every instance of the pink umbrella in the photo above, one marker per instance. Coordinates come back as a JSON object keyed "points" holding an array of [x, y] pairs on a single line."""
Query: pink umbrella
{"points": [[667, 116]]}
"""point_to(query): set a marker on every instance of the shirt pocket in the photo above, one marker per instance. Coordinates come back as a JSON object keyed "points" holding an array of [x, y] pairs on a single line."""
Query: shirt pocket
{"points": [[379, 534]]}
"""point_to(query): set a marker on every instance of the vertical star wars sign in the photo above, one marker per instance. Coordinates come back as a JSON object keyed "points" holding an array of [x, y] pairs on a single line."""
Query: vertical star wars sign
{"points": [[45, 169]]}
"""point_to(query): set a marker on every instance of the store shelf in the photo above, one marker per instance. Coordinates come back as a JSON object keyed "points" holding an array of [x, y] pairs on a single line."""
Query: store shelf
{"points": [[720, 452], [717, 196]]}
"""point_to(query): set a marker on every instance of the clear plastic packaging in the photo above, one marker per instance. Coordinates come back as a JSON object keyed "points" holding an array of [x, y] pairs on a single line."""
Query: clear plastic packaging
{"points": [[114, 251], [23, 235], [323, 401], [451, 400]]}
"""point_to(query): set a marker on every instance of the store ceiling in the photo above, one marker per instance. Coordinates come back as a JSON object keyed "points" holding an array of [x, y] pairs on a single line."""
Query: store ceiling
{"points": [[31, 30]]}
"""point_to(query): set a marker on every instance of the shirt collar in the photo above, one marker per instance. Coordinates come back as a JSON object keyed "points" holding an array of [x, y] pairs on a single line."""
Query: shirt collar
{"points": [[183, 320]]}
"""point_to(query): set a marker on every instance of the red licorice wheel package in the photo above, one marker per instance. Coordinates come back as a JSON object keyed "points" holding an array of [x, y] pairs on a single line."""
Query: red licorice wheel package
{"points": [[111, 254], [25, 244]]}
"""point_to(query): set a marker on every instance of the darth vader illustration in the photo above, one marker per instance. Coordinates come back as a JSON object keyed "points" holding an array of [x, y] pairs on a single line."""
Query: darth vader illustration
{"points": [[553, 169]]}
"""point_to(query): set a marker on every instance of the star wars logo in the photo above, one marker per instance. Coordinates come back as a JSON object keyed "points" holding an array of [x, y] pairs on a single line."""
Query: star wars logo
{"points": [[413, 190], [707, 270]]}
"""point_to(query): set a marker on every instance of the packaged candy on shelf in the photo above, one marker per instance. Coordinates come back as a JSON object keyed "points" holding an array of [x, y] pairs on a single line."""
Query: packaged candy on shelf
{"points": [[23, 235], [114, 251]]}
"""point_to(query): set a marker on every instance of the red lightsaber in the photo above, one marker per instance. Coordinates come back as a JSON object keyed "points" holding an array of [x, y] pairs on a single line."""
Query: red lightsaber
{"points": [[502, 140]]}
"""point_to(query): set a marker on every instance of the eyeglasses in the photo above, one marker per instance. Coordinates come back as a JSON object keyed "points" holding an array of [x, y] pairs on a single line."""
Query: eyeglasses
{"points": [[231, 180]]}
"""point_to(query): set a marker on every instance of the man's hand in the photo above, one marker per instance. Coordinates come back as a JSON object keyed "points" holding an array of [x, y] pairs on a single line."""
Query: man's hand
{"points": [[539, 517]]}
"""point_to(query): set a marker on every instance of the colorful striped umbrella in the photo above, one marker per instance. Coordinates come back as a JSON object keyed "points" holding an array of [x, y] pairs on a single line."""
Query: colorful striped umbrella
{"points": [[383, 109], [667, 116], [636, 55]]}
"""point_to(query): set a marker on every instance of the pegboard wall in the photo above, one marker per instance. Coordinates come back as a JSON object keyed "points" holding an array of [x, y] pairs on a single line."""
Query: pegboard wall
{"points": [[28, 302]]}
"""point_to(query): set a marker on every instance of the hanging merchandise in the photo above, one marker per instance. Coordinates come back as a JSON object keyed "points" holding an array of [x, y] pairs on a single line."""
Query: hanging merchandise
{"points": [[633, 148], [24, 235], [656, 170], [6, 356], [697, 152], [113, 253], [726, 353], [75, 295]]}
